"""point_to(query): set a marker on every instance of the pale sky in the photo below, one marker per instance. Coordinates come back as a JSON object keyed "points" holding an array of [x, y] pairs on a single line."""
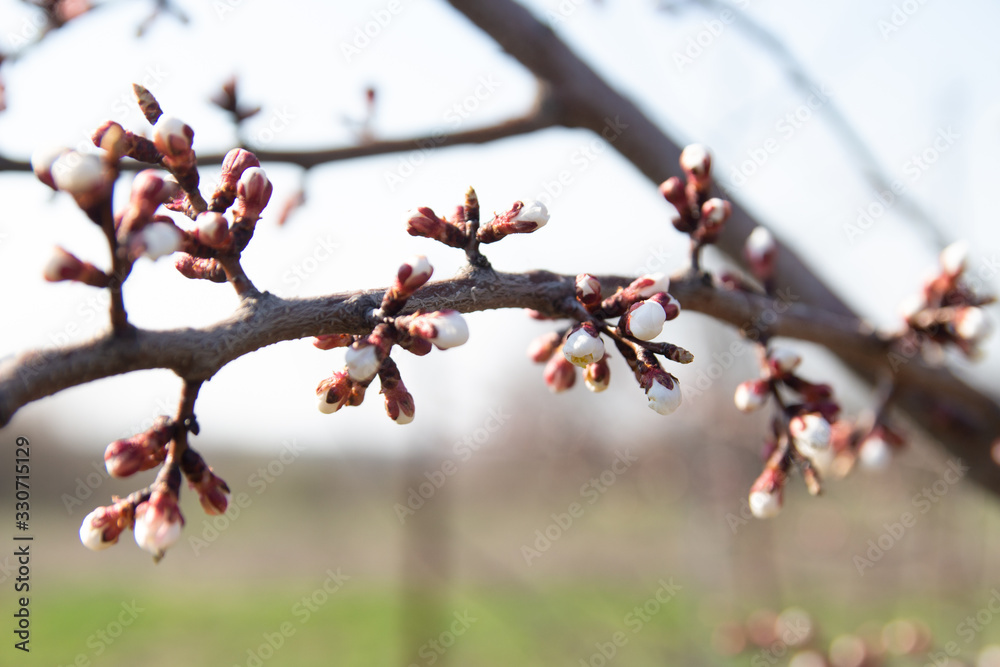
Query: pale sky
{"points": [[927, 89]]}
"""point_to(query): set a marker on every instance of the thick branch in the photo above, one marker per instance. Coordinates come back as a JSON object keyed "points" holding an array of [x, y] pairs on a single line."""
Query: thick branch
{"points": [[958, 415]]}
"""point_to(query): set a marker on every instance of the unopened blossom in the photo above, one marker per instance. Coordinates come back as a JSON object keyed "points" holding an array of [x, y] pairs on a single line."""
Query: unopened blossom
{"points": [[696, 162], [954, 257], [650, 284], [588, 291], [253, 192], [150, 189], [334, 392], [664, 394], [970, 324], [584, 346], [42, 161], [522, 218], [331, 341], [159, 239], [79, 174], [875, 453], [414, 273], [559, 373], [173, 138], [237, 161], [766, 494], [158, 522], [751, 395], [212, 229], [424, 222], [213, 493], [714, 214], [63, 265], [811, 432], [761, 252], [142, 451], [444, 328], [362, 362], [597, 376], [644, 320], [101, 528], [542, 348], [783, 359]]}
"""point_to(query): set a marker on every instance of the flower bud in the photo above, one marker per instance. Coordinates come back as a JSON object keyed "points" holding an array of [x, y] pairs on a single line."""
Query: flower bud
{"points": [[696, 162], [644, 320], [597, 375], [142, 451], [42, 161], [253, 192], [811, 432], [237, 161], [650, 284], [875, 453], [522, 218], [588, 291], [673, 191], [330, 341], [970, 324], [584, 346], [62, 266], [542, 348], [159, 239], [333, 392], [714, 214], [559, 373], [766, 494], [173, 137], [79, 174], [782, 360], [444, 328], [664, 393], [101, 528], [150, 189], [761, 252], [201, 268], [158, 522], [751, 395], [398, 401], [362, 362], [954, 257], [414, 273], [212, 230], [424, 222], [671, 306]]}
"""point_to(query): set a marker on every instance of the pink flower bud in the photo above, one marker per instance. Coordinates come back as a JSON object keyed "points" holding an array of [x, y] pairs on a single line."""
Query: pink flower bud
{"points": [[79, 174], [253, 192], [663, 393], [101, 528], [399, 404], [671, 306], [751, 395], [159, 239], [597, 376], [714, 214], [761, 252], [559, 373], [150, 189], [158, 522], [783, 360], [213, 493], [362, 362], [766, 494], [142, 451], [333, 392], [584, 346], [424, 222], [330, 341], [414, 273], [542, 348], [237, 161], [588, 291], [62, 266], [696, 162], [812, 434], [173, 137], [644, 320], [522, 218], [954, 257], [213, 230], [444, 328], [42, 161]]}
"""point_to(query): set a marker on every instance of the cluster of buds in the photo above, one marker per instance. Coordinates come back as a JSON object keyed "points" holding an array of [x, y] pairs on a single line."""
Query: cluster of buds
{"points": [[803, 431], [369, 356], [641, 310], [462, 229], [947, 312], [699, 216]]}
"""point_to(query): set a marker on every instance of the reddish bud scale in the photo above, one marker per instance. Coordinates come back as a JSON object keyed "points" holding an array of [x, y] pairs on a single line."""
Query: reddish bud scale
{"points": [[415, 345], [670, 305], [140, 452], [212, 490], [714, 215], [137, 147], [673, 191], [588, 291], [411, 276], [331, 341], [147, 103], [212, 230], [398, 401], [542, 348], [559, 373], [424, 222], [253, 192], [597, 375], [200, 268], [520, 219], [64, 265]]}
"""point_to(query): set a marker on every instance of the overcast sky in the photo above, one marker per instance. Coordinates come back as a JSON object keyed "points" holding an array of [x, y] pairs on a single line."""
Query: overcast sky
{"points": [[918, 81]]}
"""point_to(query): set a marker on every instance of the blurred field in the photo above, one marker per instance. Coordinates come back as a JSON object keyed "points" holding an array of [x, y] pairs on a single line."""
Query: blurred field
{"points": [[668, 524]]}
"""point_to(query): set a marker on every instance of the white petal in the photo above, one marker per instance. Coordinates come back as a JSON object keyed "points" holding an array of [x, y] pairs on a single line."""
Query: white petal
{"points": [[765, 505], [646, 320], [362, 362]]}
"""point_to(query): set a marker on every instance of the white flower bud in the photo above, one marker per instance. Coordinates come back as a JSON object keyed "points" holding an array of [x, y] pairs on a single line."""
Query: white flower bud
{"points": [[213, 229], [160, 239], [533, 211], [784, 360], [61, 266], [971, 324], [759, 244], [751, 395], [172, 136], [158, 523], [696, 159], [661, 283], [953, 257], [78, 173], [912, 305], [662, 399], [875, 453], [324, 407], [812, 433], [582, 349], [92, 530], [645, 320], [42, 161], [362, 362], [452, 330], [764, 504]]}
